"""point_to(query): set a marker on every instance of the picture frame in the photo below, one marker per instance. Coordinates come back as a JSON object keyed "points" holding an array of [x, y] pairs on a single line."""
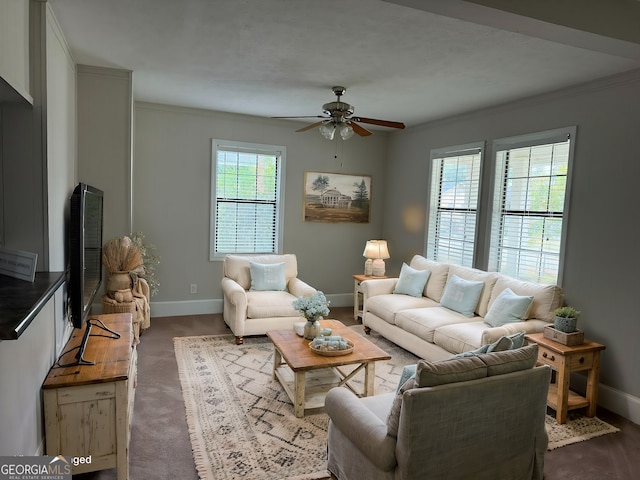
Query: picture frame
{"points": [[336, 197], [18, 264]]}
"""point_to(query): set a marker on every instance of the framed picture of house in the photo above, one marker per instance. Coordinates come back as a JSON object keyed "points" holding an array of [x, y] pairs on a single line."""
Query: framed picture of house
{"points": [[336, 198]]}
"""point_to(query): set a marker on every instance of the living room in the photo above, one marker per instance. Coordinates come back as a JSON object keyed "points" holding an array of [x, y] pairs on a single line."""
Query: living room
{"points": [[154, 162]]}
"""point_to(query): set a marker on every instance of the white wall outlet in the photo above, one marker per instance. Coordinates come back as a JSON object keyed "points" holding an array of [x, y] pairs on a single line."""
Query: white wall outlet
{"points": [[194, 288]]}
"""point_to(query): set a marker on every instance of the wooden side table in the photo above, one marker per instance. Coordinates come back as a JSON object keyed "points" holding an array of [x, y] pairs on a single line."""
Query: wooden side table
{"points": [[565, 360], [357, 293]]}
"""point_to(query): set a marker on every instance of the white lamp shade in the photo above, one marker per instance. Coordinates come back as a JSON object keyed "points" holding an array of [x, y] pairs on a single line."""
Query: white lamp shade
{"points": [[328, 130], [376, 249]]}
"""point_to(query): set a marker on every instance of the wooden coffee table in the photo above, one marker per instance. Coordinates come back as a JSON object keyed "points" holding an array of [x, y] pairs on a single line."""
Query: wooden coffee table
{"points": [[307, 377]]}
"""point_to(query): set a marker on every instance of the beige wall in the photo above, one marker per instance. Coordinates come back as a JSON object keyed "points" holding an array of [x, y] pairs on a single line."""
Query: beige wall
{"points": [[602, 257], [172, 193]]}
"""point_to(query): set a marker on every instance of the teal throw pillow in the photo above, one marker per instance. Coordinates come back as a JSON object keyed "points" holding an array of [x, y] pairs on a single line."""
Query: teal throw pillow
{"points": [[506, 342], [508, 308], [409, 371], [411, 281], [462, 295], [267, 276]]}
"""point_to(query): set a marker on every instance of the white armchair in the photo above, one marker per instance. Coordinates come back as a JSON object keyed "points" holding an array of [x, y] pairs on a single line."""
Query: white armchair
{"points": [[255, 304]]}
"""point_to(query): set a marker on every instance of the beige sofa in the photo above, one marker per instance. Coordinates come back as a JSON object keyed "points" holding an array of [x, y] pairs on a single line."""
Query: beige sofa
{"points": [[251, 311], [431, 331], [436, 428]]}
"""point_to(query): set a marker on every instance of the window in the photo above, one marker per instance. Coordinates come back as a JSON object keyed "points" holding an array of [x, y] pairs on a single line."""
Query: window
{"points": [[453, 206], [246, 198], [530, 205]]}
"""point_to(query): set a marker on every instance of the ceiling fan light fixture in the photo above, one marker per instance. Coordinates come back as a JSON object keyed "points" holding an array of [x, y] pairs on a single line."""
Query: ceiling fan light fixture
{"points": [[328, 130], [346, 131]]}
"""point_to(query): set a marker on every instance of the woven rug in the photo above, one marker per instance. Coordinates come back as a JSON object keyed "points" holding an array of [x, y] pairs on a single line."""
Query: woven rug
{"points": [[241, 422], [577, 429]]}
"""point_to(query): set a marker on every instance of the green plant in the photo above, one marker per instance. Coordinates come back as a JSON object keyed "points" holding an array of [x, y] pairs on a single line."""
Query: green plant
{"points": [[566, 312]]}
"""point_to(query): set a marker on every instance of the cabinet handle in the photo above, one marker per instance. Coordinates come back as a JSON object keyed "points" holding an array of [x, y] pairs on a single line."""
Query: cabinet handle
{"points": [[581, 360], [544, 355]]}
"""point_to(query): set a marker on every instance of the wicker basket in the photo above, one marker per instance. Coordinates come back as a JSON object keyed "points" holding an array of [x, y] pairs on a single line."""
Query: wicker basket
{"points": [[333, 353]]}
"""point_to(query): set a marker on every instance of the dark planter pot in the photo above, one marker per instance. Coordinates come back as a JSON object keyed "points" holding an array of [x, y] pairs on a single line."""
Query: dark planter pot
{"points": [[565, 324]]}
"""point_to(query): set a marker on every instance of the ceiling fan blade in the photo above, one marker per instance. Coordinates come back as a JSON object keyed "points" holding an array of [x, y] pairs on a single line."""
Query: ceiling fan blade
{"points": [[363, 132], [382, 123], [305, 116], [309, 127]]}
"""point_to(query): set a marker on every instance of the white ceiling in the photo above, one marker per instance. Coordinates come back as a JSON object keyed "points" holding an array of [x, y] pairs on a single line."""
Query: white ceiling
{"points": [[281, 57]]}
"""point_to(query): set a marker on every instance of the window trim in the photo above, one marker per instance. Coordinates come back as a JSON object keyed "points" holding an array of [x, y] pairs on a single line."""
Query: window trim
{"points": [[453, 151], [530, 140], [232, 145]]}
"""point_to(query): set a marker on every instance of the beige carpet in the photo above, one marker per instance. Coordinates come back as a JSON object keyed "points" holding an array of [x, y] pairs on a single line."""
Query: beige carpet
{"points": [[241, 422]]}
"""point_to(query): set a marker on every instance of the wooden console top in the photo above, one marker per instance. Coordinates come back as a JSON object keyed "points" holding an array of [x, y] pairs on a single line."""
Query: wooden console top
{"points": [[112, 357]]}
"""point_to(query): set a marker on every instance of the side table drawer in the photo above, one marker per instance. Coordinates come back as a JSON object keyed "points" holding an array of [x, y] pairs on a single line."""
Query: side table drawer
{"points": [[582, 361], [549, 357]]}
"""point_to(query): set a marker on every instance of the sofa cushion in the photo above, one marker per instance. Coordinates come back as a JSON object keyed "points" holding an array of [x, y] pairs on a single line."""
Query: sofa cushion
{"points": [[411, 281], [437, 279], [499, 363], [462, 295], [386, 306], [508, 308], [475, 275], [546, 298], [431, 374], [423, 322], [460, 337], [267, 276], [262, 304]]}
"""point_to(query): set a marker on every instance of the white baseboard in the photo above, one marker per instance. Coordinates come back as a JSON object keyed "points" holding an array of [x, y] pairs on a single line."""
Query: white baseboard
{"points": [[201, 307], [187, 307], [619, 402]]}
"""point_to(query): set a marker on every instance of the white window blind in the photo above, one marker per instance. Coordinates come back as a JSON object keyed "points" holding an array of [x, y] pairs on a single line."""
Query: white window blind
{"points": [[246, 198], [453, 205], [530, 204]]}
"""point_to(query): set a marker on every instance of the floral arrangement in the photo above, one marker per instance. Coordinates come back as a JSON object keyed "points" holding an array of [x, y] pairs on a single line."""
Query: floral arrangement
{"points": [[313, 307], [149, 259]]}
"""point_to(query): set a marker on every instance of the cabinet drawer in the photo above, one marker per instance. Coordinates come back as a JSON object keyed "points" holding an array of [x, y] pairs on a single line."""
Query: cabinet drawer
{"points": [[549, 357], [581, 361]]}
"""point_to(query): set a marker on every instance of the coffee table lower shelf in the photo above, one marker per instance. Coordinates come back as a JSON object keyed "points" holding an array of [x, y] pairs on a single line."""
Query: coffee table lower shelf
{"points": [[313, 384]]}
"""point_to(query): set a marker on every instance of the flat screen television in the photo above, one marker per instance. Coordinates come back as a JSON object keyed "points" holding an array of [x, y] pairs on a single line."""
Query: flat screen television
{"points": [[85, 251], [85, 263]]}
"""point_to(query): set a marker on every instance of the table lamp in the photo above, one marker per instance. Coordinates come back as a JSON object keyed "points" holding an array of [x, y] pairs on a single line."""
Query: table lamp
{"points": [[375, 252]]}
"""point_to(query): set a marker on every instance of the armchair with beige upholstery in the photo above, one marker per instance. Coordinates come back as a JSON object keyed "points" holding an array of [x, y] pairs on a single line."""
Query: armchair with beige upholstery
{"points": [[258, 293], [479, 417]]}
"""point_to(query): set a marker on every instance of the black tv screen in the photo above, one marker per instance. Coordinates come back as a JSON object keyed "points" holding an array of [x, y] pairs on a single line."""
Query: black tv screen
{"points": [[85, 251]]}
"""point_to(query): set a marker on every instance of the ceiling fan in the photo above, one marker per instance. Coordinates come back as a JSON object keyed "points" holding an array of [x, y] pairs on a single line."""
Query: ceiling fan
{"points": [[338, 117]]}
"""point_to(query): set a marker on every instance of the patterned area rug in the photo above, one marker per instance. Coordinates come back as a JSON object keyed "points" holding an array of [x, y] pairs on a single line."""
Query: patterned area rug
{"points": [[242, 425], [241, 422]]}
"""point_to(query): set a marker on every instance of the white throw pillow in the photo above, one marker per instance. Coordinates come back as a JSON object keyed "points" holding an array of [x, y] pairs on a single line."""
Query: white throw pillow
{"points": [[508, 308], [462, 295], [268, 276], [411, 281]]}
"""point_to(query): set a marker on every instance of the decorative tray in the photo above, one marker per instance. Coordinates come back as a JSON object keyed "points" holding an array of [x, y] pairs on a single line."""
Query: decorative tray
{"points": [[332, 352]]}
